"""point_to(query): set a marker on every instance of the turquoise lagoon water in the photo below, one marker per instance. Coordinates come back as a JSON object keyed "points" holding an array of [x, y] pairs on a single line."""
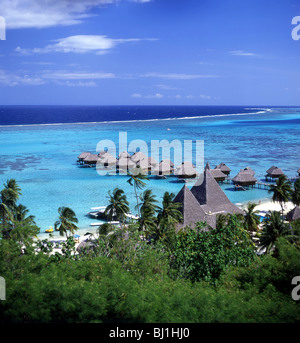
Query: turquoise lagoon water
{"points": [[42, 158]]}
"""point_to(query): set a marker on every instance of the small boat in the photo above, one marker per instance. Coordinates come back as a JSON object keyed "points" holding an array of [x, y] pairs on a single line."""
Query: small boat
{"points": [[49, 230]]}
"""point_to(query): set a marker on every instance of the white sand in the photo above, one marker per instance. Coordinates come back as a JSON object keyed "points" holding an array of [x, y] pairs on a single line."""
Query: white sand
{"points": [[267, 206]]}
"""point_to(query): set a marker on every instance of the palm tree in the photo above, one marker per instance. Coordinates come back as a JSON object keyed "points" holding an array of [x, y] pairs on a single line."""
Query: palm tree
{"points": [[251, 218], [138, 183], [296, 193], [10, 194], [147, 220], [148, 201], [66, 220], [6, 218], [282, 191], [273, 228], [118, 205], [168, 216], [20, 215]]}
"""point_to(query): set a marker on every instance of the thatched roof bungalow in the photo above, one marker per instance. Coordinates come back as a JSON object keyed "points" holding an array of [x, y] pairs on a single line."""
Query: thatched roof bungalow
{"points": [[204, 202], [274, 172], [217, 174], [244, 178], [165, 167], [224, 169], [138, 156], [186, 170], [82, 156], [124, 154], [108, 160], [125, 164], [91, 159], [294, 214], [248, 170]]}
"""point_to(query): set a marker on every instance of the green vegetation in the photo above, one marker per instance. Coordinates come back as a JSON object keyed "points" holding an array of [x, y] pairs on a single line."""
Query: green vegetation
{"points": [[146, 272]]}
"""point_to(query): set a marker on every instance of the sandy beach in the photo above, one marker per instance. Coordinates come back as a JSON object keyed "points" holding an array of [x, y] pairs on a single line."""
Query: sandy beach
{"points": [[265, 207]]}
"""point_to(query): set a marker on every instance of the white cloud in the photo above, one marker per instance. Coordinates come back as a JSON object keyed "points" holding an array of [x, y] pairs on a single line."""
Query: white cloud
{"points": [[10, 79], [44, 13], [154, 96], [136, 95], [166, 87], [242, 53], [76, 84], [201, 96], [149, 96], [98, 44], [176, 76], [64, 75]]}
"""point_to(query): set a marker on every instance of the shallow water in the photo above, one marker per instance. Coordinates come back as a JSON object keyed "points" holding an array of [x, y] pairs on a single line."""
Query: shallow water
{"points": [[43, 158]]}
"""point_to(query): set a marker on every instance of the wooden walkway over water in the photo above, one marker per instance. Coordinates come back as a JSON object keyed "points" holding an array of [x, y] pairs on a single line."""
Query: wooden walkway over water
{"points": [[258, 184]]}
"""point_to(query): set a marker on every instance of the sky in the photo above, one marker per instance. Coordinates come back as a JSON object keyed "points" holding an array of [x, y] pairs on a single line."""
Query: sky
{"points": [[150, 52]]}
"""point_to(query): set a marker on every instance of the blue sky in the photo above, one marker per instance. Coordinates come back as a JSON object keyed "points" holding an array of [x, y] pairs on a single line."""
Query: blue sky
{"points": [[149, 52]]}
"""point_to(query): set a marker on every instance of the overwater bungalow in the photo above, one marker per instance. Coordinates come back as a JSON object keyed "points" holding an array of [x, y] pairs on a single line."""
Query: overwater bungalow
{"points": [[125, 164], [186, 170], [91, 159], [152, 162], [138, 156], [274, 172], [82, 156], [224, 169], [248, 170], [204, 202], [107, 160], [165, 167], [244, 178], [217, 173], [124, 154], [294, 214]]}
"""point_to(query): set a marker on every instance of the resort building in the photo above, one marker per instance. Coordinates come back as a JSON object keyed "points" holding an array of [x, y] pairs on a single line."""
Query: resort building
{"points": [[224, 169], [294, 214], [274, 172], [204, 202], [244, 178], [217, 173], [186, 170]]}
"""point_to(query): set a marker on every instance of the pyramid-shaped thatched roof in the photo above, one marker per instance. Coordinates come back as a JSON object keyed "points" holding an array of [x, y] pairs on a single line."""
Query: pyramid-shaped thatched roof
{"points": [[210, 195], [244, 177], [186, 169], [124, 154], [83, 155], [91, 159], [294, 214], [216, 173], [223, 167], [275, 171], [191, 209], [248, 170], [138, 156]]}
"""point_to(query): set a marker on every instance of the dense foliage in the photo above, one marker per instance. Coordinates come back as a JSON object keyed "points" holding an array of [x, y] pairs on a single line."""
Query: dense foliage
{"points": [[119, 276]]}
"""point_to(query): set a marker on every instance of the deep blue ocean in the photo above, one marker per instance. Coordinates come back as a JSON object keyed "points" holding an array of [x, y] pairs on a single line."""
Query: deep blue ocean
{"points": [[24, 115], [39, 146]]}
